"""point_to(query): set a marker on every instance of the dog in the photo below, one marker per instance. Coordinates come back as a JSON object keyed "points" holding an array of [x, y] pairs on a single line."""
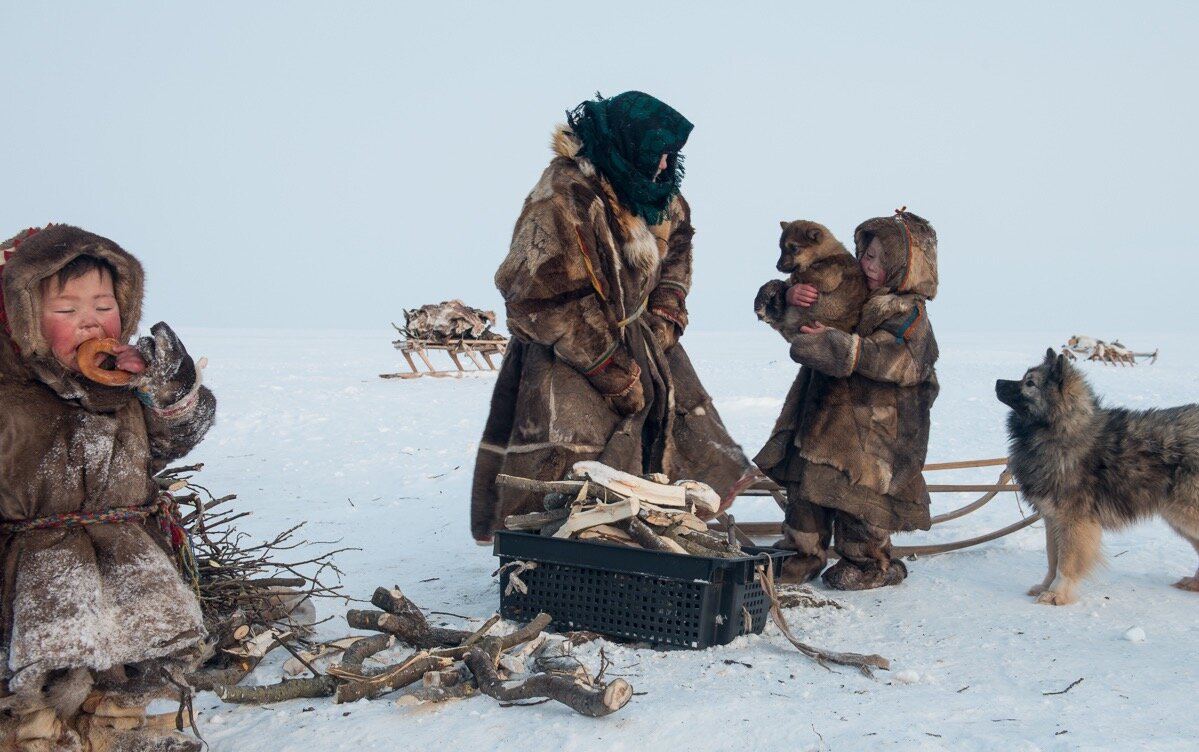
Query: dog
{"points": [[813, 256], [1087, 468]]}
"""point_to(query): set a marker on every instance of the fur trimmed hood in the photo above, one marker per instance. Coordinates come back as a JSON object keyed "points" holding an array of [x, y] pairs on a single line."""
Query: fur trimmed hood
{"points": [[909, 251], [38, 255]]}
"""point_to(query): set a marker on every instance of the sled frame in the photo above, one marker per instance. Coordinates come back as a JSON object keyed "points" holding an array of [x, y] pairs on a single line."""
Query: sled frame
{"points": [[473, 349], [748, 531]]}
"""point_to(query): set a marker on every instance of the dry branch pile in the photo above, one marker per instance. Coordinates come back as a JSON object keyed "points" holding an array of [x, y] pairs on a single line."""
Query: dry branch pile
{"points": [[448, 321], [596, 502], [253, 595], [448, 664]]}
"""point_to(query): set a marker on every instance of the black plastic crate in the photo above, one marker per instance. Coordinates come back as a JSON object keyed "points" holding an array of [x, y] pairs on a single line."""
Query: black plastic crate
{"points": [[631, 593]]}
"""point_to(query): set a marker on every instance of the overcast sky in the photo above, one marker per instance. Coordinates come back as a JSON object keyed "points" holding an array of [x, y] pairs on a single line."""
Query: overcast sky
{"points": [[294, 164]]}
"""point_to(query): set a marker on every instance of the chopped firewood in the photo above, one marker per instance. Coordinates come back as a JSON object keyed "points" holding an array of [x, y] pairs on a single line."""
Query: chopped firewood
{"points": [[663, 518], [628, 485], [259, 645], [607, 534], [600, 514], [535, 520]]}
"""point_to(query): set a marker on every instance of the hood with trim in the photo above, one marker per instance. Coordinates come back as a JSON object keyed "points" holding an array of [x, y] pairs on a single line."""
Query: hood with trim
{"points": [[909, 251]]}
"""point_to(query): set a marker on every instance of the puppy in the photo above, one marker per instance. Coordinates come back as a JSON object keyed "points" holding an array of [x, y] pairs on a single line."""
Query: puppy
{"points": [[813, 256]]}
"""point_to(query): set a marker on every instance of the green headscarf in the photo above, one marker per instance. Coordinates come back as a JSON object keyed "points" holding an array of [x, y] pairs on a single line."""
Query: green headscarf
{"points": [[625, 137]]}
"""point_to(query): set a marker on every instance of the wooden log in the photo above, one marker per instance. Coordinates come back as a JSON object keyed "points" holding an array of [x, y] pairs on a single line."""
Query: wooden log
{"points": [[439, 694], [288, 689], [535, 520], [364, 648], [590, 702], [538, 486], [398, 676], [648, 539]]}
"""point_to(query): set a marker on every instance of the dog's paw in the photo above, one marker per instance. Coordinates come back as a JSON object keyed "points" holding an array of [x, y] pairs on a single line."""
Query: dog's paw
{"points": [[1188, 583], [1037, 589], [1052, 598]]}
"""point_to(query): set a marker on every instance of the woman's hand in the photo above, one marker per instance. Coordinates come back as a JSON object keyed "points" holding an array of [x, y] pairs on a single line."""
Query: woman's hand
{"points": [[815, 328], [802, 295]]}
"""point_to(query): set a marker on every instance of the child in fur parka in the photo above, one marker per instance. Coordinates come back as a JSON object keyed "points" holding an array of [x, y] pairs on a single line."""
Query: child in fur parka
{"points": [[850, 443], [95, 619]]}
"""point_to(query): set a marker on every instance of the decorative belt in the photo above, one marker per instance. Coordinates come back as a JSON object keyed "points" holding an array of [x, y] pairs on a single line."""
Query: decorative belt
{"points": [[163, 506]]}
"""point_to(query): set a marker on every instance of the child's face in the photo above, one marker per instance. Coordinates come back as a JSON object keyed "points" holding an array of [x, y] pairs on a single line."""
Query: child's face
{"points": [[82, 309], [872, 265]]}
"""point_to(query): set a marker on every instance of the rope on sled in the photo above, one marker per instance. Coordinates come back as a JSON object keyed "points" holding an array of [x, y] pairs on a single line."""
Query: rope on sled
{"points": [[164, 507]]}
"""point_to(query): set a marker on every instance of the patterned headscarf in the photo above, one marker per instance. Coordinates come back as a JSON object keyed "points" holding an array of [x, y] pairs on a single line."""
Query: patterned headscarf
{"points": [[625, 137]]}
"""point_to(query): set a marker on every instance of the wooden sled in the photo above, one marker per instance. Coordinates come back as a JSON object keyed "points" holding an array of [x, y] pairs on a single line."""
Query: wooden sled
{"points": [[748, 532], [471, 348]]}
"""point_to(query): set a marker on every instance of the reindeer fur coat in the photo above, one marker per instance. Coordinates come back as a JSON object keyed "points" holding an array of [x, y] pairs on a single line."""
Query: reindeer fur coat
{"points": [[588, 285], [79, 601], [853, 431]]}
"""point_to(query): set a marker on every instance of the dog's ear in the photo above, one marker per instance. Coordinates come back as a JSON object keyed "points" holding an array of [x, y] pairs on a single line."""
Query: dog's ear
{"points": [[813, 234], [1049, 355], [783, 224], [1058, 369]]}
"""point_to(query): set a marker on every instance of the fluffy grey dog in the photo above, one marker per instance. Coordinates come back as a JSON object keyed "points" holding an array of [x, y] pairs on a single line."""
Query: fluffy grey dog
{"points": [[1087, 468]]}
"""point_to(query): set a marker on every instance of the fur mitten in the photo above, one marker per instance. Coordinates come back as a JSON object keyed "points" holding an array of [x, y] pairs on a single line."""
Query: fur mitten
{"points": [[831, 352], [170, 374], [620, 384], [666, 332]]}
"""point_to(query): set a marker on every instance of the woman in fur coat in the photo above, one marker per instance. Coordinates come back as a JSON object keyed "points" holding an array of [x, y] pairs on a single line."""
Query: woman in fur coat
{"points": [[850, 443], [595, 285], [95, 619]]}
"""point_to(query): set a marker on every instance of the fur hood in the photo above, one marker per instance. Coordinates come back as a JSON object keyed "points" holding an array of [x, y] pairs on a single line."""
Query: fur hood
{"points": [[33, 256], [909, 252]]}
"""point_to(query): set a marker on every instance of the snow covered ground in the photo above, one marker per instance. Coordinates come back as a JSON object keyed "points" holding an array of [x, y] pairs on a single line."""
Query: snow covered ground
{"points": [[307, 431]]}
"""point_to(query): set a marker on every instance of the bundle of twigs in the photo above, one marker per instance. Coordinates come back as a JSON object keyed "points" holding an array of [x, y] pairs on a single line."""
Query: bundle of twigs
{"points": [[253, 595], [596, 502]]}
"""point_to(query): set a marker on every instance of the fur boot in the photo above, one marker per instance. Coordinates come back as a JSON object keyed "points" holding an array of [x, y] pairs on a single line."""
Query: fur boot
{"points": [[114, 722], [850, 575], [41, 730]]}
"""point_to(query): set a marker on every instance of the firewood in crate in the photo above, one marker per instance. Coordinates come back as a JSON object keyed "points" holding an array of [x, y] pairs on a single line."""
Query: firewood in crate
{"points": [[599, 514], [608, 534]]}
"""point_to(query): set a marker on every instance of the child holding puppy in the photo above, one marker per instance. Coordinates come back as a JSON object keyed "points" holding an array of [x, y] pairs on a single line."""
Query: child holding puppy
{"points": [[850, 443], [95, 620]]}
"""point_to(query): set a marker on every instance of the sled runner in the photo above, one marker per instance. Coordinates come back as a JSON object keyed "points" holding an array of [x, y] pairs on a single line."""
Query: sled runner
{"points": [[471, 348], [748, 531]]}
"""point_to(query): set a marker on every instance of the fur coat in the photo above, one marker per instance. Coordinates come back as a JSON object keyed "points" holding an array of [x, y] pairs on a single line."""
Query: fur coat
{"points": [[589, 288], [88, 598], [853, 431]]}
